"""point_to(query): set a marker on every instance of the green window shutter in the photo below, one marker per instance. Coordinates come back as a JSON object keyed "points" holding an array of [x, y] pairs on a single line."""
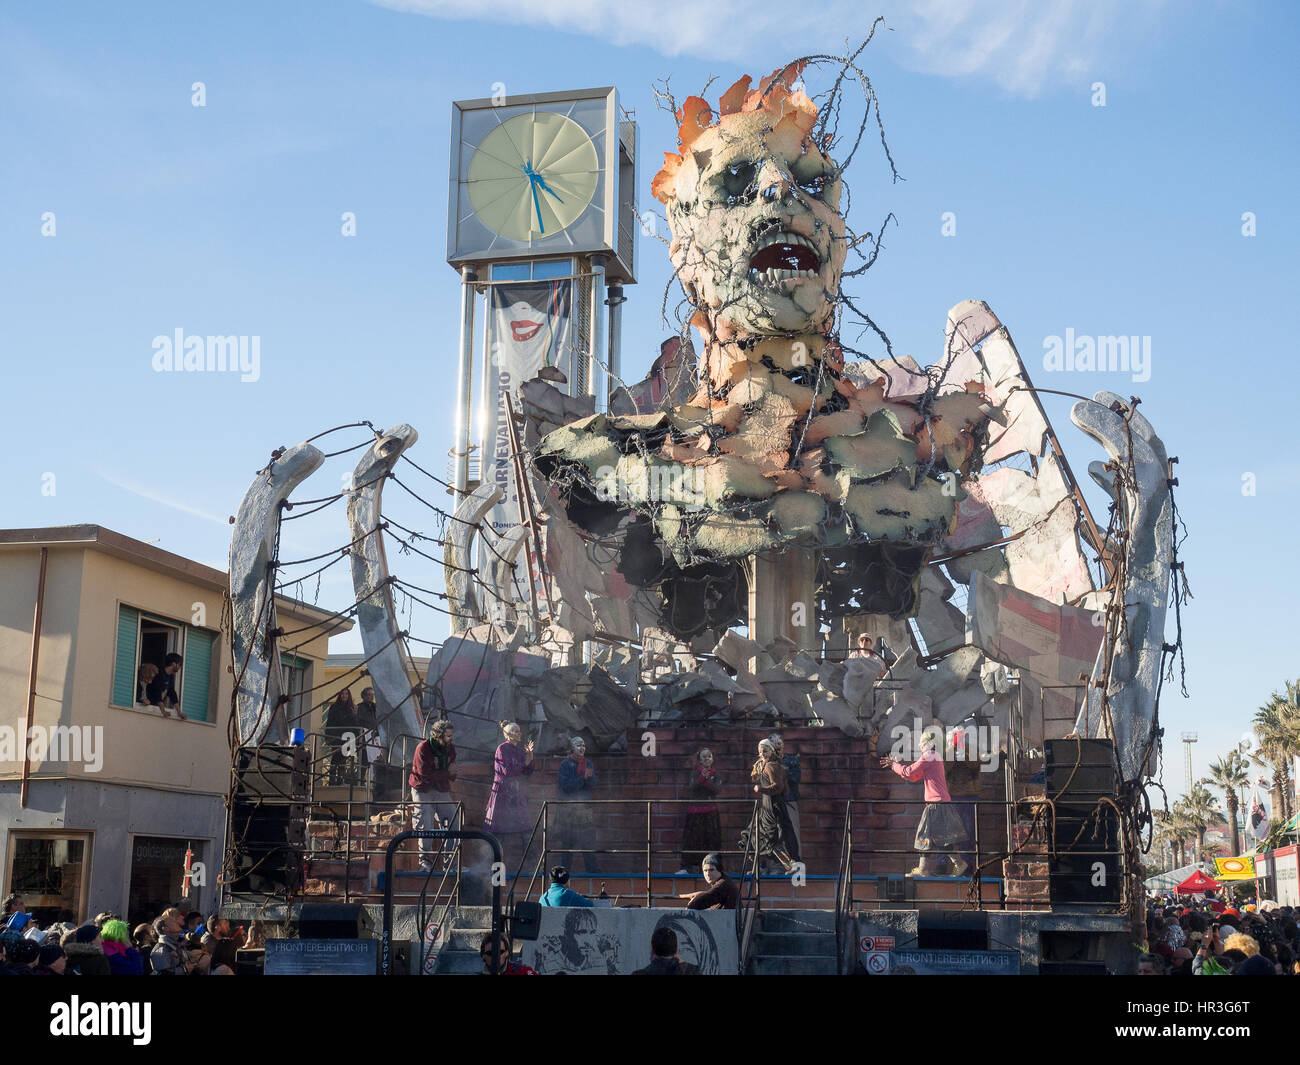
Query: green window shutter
{"points": [[293, 661], [124, 666], [196, 676]]}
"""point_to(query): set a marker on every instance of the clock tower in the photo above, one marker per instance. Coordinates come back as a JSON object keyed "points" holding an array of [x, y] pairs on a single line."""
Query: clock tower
{"points": [[542, 224]]}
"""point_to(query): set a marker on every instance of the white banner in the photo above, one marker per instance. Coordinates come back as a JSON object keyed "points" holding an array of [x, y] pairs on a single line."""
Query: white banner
{"points": [[530, 326]]}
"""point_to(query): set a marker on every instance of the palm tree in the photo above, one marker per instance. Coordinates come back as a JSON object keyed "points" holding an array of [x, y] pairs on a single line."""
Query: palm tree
{"points": [[1175, 827], [1230, 773], [1205, 852], [1169, 833], [1200, 807], [1277, 726]]}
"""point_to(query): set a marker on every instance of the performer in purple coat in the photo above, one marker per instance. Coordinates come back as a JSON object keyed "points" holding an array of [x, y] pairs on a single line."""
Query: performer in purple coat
{"points": [[507, 809]]}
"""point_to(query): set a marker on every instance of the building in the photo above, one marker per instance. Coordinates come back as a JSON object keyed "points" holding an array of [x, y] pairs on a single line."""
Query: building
{"points": [[101, 798]]}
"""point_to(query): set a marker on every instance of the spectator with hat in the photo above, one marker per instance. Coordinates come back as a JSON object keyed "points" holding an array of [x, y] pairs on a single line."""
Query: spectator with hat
{"points": [[85, 952], [50, 960]]}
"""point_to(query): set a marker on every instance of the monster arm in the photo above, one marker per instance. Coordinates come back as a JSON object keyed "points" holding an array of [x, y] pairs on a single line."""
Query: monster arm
{"points": [[390, 671], [256, 656], [1127, 679]]}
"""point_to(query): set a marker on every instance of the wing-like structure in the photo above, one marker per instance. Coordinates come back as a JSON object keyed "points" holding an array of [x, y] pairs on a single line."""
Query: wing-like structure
{"points": [[256, 655], [386, 659]]}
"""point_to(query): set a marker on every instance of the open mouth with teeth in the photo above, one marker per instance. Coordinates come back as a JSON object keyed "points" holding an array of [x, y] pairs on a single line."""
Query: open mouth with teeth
{"points": [[524, 330], [781, 255]]}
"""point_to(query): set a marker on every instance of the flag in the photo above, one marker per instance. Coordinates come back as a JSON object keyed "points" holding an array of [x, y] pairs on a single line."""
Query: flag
{"points": [[1257, 826]]}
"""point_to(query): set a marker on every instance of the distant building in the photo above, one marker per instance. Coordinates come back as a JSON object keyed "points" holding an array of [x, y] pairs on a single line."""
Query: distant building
{"points": [[114, 793]]}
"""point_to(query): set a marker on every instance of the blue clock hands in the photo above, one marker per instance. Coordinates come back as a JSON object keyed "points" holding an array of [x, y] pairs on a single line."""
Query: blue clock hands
{"points": [[535, 180], [532, 184]]}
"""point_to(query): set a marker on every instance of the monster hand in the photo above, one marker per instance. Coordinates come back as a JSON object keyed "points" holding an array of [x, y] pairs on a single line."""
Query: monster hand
{"points": [[1137, 479]]}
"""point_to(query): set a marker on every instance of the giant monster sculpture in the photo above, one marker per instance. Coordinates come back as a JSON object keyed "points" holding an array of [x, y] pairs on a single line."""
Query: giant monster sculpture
{"points": [[777, 448], [935, 506]]}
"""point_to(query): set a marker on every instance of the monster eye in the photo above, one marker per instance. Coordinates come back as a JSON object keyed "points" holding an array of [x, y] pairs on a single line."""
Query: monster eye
{"points": [[815, 186], [738, 183]]}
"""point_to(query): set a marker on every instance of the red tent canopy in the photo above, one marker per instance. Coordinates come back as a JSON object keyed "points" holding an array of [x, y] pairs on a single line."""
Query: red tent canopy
{"points": [[1197, 884]]}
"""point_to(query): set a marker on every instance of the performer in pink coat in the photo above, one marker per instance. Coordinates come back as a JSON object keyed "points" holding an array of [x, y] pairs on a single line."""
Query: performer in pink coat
{"points": [[941, 827]]}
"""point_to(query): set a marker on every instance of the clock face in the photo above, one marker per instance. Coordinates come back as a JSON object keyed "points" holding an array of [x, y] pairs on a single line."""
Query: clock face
{"points": [[533, 175]]}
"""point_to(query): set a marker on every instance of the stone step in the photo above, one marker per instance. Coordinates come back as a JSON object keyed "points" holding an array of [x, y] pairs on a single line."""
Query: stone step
{"points": [[459, 963], [796, 921], [466, 939], [793, 944], [783, 965], [474, 916]]}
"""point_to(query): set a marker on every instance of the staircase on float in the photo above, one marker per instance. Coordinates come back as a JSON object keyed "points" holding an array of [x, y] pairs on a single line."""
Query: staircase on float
{"points": [[793, 943]]}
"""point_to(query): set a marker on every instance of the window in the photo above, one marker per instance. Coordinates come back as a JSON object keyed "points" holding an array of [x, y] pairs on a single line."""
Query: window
{"points": [[293, 683], [50, 871], [157, 872], [544, 270], [144, 638]]}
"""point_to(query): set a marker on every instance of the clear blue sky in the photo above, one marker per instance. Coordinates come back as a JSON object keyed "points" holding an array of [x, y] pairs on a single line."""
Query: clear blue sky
{"points": [[225, 219]]}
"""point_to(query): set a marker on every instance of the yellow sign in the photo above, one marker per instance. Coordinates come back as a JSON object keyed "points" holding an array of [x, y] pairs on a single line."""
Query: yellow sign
{"points": [[1242, 868]]}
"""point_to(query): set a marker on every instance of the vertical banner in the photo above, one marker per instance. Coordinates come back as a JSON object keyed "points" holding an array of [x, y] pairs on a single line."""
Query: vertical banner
{"points": [[530, 325]]}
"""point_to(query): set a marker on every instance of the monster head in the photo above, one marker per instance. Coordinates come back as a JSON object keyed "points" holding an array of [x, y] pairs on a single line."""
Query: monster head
{"points": [[753, 204]]}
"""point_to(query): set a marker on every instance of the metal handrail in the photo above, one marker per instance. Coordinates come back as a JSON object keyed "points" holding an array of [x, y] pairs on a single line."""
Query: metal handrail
{"points": [[386, 938], [751, 900], [540, 823], [844, 887], [452, 896], [975, 847], [648, 852]]}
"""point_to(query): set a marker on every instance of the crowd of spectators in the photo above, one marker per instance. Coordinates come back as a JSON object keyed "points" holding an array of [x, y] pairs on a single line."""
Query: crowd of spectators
{"points": [[1212, 938], [176, 943]]}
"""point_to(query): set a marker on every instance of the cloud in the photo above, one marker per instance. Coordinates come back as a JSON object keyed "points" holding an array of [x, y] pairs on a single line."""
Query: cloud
{"points": [[1022, 45], [155, 497]]}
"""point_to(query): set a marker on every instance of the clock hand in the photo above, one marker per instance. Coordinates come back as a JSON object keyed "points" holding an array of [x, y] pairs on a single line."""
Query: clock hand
{"points": [[547, 188], [532, 181]]}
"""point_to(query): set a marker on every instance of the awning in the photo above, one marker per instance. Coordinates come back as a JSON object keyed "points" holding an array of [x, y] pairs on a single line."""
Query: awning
{"points": [[1196, 884], [1168, 881]]}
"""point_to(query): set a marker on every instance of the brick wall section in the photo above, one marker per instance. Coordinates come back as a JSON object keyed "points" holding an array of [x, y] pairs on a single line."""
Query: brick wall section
{"points": [[836, 768]]}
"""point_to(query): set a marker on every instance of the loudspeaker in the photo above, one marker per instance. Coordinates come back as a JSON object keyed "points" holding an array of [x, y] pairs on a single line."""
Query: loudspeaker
{"points": [[1086, 866], [1079, 770], [266, 871], [272, 772], [334, 920], [267, 824], [526, 924]]}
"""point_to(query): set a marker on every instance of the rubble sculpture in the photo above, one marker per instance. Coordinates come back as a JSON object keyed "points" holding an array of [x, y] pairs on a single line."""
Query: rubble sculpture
{"points": [[778, 447]]}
